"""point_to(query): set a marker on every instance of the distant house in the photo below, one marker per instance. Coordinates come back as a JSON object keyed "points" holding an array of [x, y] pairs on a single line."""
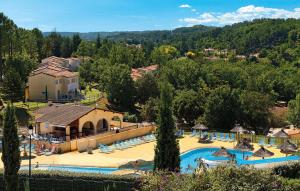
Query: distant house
{"points": [[137, 73], [139, 46], [52, 82], [71, 63]]}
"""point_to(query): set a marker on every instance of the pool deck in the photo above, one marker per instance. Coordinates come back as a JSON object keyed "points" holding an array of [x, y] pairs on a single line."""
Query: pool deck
{"points": [[117, 158]]}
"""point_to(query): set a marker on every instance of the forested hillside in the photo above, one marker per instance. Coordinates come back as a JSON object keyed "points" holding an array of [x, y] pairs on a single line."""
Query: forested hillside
{"points": [[246, 37], [245, 69]]}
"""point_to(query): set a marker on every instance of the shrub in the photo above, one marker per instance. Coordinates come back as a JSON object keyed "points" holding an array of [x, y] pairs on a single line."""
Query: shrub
{"points": [[221, 178], [61, 180], [288, 170]]}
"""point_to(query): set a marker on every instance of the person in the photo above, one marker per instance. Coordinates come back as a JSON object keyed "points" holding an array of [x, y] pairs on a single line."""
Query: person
{"points": [[247, 157], [37, 165]]}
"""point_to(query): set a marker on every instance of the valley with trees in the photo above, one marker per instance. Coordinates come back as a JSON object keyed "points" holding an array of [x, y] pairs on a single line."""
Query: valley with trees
{"points": [[218, 77], [249, 67]]}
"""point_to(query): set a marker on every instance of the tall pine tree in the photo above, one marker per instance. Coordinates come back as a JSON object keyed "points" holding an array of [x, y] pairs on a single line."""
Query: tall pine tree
{"points": [[10, 149], [167, 147]]}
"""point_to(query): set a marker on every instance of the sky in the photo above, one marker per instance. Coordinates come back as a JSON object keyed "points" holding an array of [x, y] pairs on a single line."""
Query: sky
{"points": [[139, 15]]}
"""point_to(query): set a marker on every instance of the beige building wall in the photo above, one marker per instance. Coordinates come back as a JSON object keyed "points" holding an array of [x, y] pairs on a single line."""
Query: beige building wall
{"points": [[96, 115], [44, 128], [37, 85]]}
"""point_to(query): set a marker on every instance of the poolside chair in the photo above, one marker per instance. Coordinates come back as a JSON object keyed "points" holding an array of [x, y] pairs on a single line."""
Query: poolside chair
{"points": [[273, 143], [214, 136], [222, 137], [194, 132], [53, 149], [226, 137], [232, 139], [262, 142]]}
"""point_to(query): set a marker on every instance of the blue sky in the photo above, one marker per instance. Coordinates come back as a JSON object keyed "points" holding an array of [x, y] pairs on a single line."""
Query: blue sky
{"points": [[129, 15]]}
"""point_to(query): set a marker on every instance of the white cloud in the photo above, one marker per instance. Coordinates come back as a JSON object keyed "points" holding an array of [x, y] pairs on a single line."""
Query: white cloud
{"points": [[193, 10], [242, 14], [185, 6]]}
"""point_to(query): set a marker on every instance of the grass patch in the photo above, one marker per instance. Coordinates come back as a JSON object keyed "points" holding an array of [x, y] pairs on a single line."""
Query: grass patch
{"points": [[30, 105]]}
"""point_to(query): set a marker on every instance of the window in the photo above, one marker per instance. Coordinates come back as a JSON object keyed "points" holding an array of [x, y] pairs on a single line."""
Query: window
{"points": [[60, 81], [56, 81], [73, 80]]}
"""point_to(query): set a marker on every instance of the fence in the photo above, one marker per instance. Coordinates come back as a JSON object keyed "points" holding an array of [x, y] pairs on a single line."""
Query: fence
{"points": [[62, 184], [258, 138]]}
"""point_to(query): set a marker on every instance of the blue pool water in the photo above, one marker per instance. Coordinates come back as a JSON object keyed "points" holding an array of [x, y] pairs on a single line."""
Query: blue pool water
{"points": [[187, 159], [76, 169]]}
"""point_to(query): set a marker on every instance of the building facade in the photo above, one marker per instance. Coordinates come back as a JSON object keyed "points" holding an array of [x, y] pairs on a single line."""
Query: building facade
{"points": [[51, 82], [74, 121]]}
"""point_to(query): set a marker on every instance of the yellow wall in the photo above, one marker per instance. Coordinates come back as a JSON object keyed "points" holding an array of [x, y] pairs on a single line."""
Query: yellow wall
{"points": [[96, 115], [111, 137], [38, 83], [295, 136]]}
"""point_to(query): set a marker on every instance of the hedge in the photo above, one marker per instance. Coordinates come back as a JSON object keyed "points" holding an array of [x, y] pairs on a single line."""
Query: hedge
{"points": [[288, 170], [68, 181]]}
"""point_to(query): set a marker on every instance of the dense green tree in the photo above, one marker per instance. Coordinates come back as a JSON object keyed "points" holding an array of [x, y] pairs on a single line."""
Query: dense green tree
{"points": [[183, 74], [139, 59], [188, 105], [119, 85], [103, 51], [10, 149], [221, 107], [54, 41], [120, 54], [13, 86], [294, 111], [254, 111], [161, 55], [86, 72], [76, 40], [149, 110], [66, 47], [146, 87], [85, 49], [98, 42], [39, 42], [167, 147]]}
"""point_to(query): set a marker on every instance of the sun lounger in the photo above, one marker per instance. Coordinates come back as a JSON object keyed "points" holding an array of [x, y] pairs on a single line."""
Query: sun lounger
{"points": [[261, 142], [194, 133]]}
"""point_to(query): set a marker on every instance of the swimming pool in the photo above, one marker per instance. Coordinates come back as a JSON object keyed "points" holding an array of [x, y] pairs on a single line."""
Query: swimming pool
{"points": [[187, 159]]}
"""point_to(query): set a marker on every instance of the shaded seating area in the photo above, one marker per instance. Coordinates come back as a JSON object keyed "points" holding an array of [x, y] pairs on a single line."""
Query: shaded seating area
{"points": [[263, 152], [204, 139], [244, 145], [288, 147], [223, 152]]}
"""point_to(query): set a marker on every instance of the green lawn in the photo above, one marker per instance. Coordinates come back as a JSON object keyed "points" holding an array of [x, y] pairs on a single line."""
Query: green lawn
{"points": [[91, 96], [30, 105]]}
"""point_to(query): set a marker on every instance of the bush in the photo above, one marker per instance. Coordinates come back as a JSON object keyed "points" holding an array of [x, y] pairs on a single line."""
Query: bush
{"points": [[289, 170], [221, 178], [60, 180]]}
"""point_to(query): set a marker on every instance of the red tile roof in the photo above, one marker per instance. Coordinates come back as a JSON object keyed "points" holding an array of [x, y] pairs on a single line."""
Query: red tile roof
{"points": [[139, 72], [54, 70], [64, 114]]}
